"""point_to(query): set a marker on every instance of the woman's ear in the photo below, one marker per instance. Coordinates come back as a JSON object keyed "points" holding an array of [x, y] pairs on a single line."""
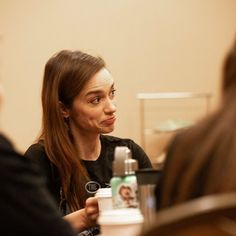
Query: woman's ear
{"points": [[64, 111]]}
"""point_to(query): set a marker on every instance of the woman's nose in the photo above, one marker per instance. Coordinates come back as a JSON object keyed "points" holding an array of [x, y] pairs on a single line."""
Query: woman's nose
{"points": [[110, 106]]}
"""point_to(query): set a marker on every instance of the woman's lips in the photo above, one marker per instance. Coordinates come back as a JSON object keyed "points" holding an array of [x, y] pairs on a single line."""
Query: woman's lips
{"points": [[109, 121]]}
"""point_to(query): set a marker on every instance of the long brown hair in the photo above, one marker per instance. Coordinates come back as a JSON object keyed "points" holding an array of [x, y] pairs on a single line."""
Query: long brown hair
{"points": [[65, 76], [202, 160]]}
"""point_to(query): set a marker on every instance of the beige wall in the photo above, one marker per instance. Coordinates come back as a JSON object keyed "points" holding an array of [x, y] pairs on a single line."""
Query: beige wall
{"points": [[149, 46]]}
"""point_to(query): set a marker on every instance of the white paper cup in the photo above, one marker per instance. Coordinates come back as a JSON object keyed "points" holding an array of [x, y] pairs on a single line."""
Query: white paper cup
{"points": [[120, 222], [104, 199]]}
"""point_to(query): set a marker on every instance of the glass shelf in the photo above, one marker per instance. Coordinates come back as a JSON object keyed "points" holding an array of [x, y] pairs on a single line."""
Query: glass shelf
{"points": [[170, 125]]}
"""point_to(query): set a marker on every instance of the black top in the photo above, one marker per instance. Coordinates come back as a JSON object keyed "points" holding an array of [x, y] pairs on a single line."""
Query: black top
{"points": [[21, 212], [100, 171]]}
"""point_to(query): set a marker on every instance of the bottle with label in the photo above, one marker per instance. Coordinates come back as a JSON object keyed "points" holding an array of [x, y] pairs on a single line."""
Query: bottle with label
{"points": [[124, 183]]}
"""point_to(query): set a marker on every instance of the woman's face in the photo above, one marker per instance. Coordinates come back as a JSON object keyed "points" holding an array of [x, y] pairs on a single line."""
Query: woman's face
{"points": [[93, 110]]}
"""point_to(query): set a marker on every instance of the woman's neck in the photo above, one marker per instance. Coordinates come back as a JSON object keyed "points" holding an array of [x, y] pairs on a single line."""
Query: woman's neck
{"points": [[88, 147]]}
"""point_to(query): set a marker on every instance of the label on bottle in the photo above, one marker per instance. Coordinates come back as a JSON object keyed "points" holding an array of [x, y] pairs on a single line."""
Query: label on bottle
{"points": [[124, 192]]}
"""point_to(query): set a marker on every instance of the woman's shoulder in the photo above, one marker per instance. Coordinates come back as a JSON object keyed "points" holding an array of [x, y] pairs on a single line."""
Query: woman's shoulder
{"points": [[138, 153], [36, 152], [116, 141], [35, 148]]}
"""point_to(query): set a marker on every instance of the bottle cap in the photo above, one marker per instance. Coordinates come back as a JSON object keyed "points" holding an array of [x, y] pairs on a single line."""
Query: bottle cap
{"points": [[123, 163], [131, 165]]}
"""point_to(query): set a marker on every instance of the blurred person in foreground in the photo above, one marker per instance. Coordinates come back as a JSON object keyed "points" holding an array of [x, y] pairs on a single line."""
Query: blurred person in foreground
{"points": [[26, 206], [202, 160]]}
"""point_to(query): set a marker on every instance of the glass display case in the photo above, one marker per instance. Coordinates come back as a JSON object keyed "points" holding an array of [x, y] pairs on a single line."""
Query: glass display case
{"points": [[150, 126]]}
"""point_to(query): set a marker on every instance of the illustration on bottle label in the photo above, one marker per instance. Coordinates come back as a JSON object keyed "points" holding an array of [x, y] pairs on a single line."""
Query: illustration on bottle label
{"points": [[124, 192]]}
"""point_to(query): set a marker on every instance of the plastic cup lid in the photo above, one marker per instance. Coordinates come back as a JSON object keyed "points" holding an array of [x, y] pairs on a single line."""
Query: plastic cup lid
{"points": [[103, 192], [120, 216]]}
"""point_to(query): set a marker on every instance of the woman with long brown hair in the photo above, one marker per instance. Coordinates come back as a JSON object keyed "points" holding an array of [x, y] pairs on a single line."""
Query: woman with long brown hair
{"points": [[202, 160], [78, 109]]}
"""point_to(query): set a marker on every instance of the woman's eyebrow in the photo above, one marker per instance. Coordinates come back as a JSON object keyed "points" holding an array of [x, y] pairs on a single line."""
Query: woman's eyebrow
{"points": [[98, 91], [94, 92]]}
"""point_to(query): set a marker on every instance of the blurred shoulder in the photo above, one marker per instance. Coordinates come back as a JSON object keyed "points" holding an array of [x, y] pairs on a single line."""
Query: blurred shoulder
{"points": [[5, 143]]}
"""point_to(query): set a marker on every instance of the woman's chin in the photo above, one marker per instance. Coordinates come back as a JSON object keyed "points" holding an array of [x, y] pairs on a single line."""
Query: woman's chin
{"points": [[107, 130]]}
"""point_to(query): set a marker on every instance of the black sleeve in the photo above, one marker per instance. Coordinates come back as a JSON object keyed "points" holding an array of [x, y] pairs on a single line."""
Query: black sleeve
{"points": [[139, 154], [25, 204]]}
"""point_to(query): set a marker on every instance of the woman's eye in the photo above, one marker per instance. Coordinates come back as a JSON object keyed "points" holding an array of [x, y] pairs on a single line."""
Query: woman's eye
{"points": [[95, 100], [113, 92]]}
